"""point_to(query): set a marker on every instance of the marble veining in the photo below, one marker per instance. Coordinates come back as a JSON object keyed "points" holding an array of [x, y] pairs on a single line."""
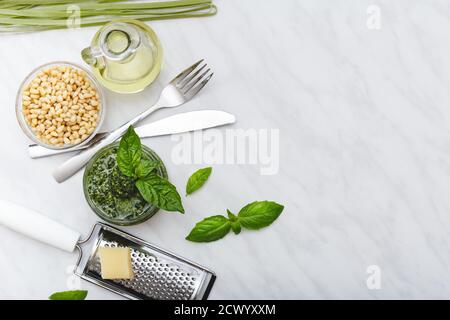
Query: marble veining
{"points": [[363, 113]]}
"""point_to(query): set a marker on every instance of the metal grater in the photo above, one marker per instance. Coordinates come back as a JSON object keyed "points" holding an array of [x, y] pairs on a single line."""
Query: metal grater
{"points": [[158, 274]]}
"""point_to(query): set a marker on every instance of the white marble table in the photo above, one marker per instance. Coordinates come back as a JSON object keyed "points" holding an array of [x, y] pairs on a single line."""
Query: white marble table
{"points": [[360, 96]]}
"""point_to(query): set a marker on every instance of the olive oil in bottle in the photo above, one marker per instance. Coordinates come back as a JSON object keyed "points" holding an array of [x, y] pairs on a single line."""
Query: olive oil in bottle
{"points": [[125, 56]]}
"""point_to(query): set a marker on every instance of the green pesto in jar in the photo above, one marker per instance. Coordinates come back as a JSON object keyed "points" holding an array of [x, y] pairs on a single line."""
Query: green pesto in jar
{"points": [[114, 196]]}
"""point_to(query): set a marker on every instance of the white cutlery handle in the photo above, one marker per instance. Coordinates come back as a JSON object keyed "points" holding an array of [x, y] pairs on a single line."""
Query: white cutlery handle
{"points": [[36, 226], [78, 161], [36, 151]]}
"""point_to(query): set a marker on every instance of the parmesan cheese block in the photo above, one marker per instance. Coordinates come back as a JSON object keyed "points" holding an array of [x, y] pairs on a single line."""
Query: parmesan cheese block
{"points": [[115, 263]]}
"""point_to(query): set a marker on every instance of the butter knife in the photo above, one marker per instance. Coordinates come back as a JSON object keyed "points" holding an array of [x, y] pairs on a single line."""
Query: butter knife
{"points": [[179, 123]]}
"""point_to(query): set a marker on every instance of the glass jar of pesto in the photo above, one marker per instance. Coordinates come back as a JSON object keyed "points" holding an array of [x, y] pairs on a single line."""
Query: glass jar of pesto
{"points": [[114, 196]]}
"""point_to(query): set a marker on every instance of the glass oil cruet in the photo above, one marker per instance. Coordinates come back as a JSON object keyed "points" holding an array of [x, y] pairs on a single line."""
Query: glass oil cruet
{"points": [[125, 56]]}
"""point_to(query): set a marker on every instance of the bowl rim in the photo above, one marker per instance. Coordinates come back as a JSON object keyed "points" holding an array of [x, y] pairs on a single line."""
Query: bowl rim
{"points": [[147, 214], [25, 126]]}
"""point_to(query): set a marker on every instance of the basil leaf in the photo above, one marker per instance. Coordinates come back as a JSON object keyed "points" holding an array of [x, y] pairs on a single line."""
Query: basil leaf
{"points": [[69, 295], [145, 167], [210, 229], [198, 179], [160, 192], [129, 153], [235, 225], [257, 215]]}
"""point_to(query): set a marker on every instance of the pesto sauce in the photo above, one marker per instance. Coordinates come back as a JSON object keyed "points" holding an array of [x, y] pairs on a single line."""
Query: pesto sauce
{"points": [[113, 192]]}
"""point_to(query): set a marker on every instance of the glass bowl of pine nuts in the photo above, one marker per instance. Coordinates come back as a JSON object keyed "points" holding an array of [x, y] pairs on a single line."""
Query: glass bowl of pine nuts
{"points": [[60, 105]]}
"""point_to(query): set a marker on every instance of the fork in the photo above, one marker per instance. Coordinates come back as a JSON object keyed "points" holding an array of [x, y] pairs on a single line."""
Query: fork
{"points": [[180, 90]]}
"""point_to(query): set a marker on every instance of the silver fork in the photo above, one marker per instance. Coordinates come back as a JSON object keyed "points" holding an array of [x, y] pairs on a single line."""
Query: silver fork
{"points": [[180, 90]]}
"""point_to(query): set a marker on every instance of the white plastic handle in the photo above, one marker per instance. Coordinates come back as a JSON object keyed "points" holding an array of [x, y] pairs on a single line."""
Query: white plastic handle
{"points": [[34, 225]]}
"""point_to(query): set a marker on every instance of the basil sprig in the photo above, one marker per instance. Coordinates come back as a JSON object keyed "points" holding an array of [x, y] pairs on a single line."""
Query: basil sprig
{"points": [[153, 188], [69, 295], [254, 216], [197, 180]]}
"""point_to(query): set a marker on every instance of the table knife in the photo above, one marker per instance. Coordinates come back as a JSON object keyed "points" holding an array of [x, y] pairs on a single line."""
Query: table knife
{"points": [[179, 123]]}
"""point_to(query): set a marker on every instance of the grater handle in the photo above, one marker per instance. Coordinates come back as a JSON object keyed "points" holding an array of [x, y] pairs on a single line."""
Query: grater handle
{"points": [[37, 226]]}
